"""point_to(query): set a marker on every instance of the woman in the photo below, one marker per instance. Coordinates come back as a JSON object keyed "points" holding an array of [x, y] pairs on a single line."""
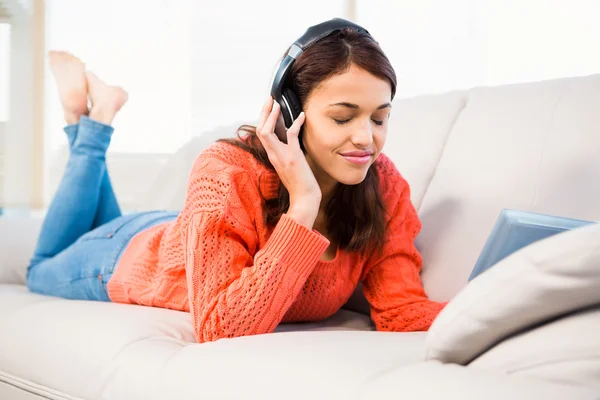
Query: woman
{"points": [[270, 231]]}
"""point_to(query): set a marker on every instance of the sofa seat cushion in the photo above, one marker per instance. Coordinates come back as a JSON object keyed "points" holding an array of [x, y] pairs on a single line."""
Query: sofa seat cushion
{"points": [[565, 350], [91, 350], [432, 380]]}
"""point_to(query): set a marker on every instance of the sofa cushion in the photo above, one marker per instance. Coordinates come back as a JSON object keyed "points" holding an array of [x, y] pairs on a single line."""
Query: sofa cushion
{"points": [[18, 235], [94, 350], [432, 380], [541, 281], [170, 186], [528, 146], [564, 350], [417, 133]]}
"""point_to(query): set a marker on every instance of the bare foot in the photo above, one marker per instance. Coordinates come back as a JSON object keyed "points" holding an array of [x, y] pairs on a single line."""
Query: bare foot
{"points": [[106, 100], [69, 73]]}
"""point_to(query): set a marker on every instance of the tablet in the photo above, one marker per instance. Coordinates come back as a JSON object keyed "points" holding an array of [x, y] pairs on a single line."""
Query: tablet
{"points": [[515, 229]]}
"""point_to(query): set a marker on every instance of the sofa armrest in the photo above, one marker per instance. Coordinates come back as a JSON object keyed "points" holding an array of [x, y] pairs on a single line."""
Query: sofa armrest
{"points": [[432, 380], [18, 236]]}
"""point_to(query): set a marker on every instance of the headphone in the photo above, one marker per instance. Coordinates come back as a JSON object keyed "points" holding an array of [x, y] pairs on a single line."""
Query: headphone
{"points": [[289, 104]]}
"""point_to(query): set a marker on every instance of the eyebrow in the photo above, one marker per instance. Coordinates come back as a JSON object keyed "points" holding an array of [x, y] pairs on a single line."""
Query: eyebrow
{"points": [[351, 105]]}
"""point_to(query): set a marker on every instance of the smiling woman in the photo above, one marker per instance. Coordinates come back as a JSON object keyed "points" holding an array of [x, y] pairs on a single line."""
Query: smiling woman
{"points": [[345, 92], [347, 116], [271, 231]]}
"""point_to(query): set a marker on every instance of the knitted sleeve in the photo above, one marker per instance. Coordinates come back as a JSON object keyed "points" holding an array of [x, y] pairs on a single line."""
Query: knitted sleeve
{"points": [[393, 285], [236, 289]]}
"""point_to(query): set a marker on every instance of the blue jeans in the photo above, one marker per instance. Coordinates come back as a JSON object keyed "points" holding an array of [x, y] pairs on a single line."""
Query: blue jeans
{"points": [[84, 232]]}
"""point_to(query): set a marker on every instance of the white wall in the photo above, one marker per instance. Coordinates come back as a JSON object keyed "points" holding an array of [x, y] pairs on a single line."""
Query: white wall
{"points": [[143, 46], [2, 151], [191, 66], [4, 70], [235, 49], [18, 138], [4, 94], [438, 45]]}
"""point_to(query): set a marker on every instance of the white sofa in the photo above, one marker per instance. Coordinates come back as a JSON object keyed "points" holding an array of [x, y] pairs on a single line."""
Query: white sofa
{"points": [[466, 154]]}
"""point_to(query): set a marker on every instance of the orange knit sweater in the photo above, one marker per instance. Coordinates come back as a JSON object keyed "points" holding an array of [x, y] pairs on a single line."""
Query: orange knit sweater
{"points": [[219, 261]]}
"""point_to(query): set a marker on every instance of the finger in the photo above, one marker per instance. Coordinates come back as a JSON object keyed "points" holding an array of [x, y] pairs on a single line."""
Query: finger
{"points": [[269, 126], [294, 131], [266, 133], [264, 112]]}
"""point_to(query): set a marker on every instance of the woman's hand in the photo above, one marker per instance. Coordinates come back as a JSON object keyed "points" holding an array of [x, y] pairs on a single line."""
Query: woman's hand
{"points": [[290, 163]]}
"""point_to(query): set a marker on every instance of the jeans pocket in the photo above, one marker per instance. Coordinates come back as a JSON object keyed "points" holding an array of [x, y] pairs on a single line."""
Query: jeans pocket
{"points": [[109, 229]]}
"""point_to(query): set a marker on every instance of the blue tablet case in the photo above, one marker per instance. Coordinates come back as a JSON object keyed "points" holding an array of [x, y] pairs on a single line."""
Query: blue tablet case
{"points": [[516, 229]]}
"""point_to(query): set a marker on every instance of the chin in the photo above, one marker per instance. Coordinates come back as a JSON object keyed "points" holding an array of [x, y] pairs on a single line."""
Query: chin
{"points": [[353, 178], [347, 174]]}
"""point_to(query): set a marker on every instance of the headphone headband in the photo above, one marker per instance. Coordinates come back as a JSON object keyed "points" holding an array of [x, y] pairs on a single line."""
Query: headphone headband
{"points": [[316, 32], [312, 35], [289, 102]]}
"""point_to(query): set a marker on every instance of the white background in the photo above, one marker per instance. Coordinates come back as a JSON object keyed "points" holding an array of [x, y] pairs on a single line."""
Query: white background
{"points": [[190, 66]]}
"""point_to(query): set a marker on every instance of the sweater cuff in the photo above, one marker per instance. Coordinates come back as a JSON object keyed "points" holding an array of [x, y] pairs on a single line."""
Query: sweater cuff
{"points": [[295, 245]]}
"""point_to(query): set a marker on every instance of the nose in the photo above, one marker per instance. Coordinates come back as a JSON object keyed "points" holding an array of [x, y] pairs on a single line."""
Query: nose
{"points": [[362, 137]]}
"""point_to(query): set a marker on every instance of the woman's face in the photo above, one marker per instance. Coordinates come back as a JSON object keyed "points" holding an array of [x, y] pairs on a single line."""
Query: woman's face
{"points": [[346, 126]]}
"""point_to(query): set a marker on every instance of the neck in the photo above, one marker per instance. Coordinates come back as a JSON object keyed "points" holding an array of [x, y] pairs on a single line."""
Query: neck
{"points": [[327, 190], [326, 183]]}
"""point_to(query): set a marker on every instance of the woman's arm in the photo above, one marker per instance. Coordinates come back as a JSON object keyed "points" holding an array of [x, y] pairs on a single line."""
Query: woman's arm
{"points": [[232, 291], [393, 285]]}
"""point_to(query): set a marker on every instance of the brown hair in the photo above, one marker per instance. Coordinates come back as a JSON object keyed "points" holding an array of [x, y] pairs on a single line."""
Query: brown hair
{"points": [[355, 215]]}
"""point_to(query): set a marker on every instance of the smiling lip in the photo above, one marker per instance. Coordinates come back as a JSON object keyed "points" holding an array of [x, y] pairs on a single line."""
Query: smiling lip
{"points": [[357, 153], [364, 158]]}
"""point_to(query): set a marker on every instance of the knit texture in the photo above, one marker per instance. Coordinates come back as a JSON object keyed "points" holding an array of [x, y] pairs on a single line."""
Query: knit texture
{"points": [[219, 261]]}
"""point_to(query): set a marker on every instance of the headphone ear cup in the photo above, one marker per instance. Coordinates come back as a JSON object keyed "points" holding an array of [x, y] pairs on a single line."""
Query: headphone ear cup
{"points": [[293, 107]]}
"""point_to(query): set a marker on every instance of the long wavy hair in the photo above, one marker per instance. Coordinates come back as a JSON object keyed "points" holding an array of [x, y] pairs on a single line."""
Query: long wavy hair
{"points": [[355, 214]]}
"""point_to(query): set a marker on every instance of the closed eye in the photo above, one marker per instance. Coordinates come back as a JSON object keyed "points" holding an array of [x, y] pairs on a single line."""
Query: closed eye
{"points": [[345, 121], [342, 121]]}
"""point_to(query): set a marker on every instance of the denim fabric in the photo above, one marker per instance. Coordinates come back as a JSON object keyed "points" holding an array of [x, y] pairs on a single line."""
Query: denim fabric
{"points": [[82, 270], [84, 233]]}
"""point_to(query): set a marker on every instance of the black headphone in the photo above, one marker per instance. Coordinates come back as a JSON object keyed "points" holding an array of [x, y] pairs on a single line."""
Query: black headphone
{"points": [[287, 99]]}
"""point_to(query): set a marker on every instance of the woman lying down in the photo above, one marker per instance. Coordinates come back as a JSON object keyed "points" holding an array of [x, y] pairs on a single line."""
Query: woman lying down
{"points": [[280, 222]]}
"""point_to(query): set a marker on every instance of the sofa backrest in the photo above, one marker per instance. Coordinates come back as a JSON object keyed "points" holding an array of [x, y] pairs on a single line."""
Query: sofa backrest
{"points": [[169, 188], [532, 146]]}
